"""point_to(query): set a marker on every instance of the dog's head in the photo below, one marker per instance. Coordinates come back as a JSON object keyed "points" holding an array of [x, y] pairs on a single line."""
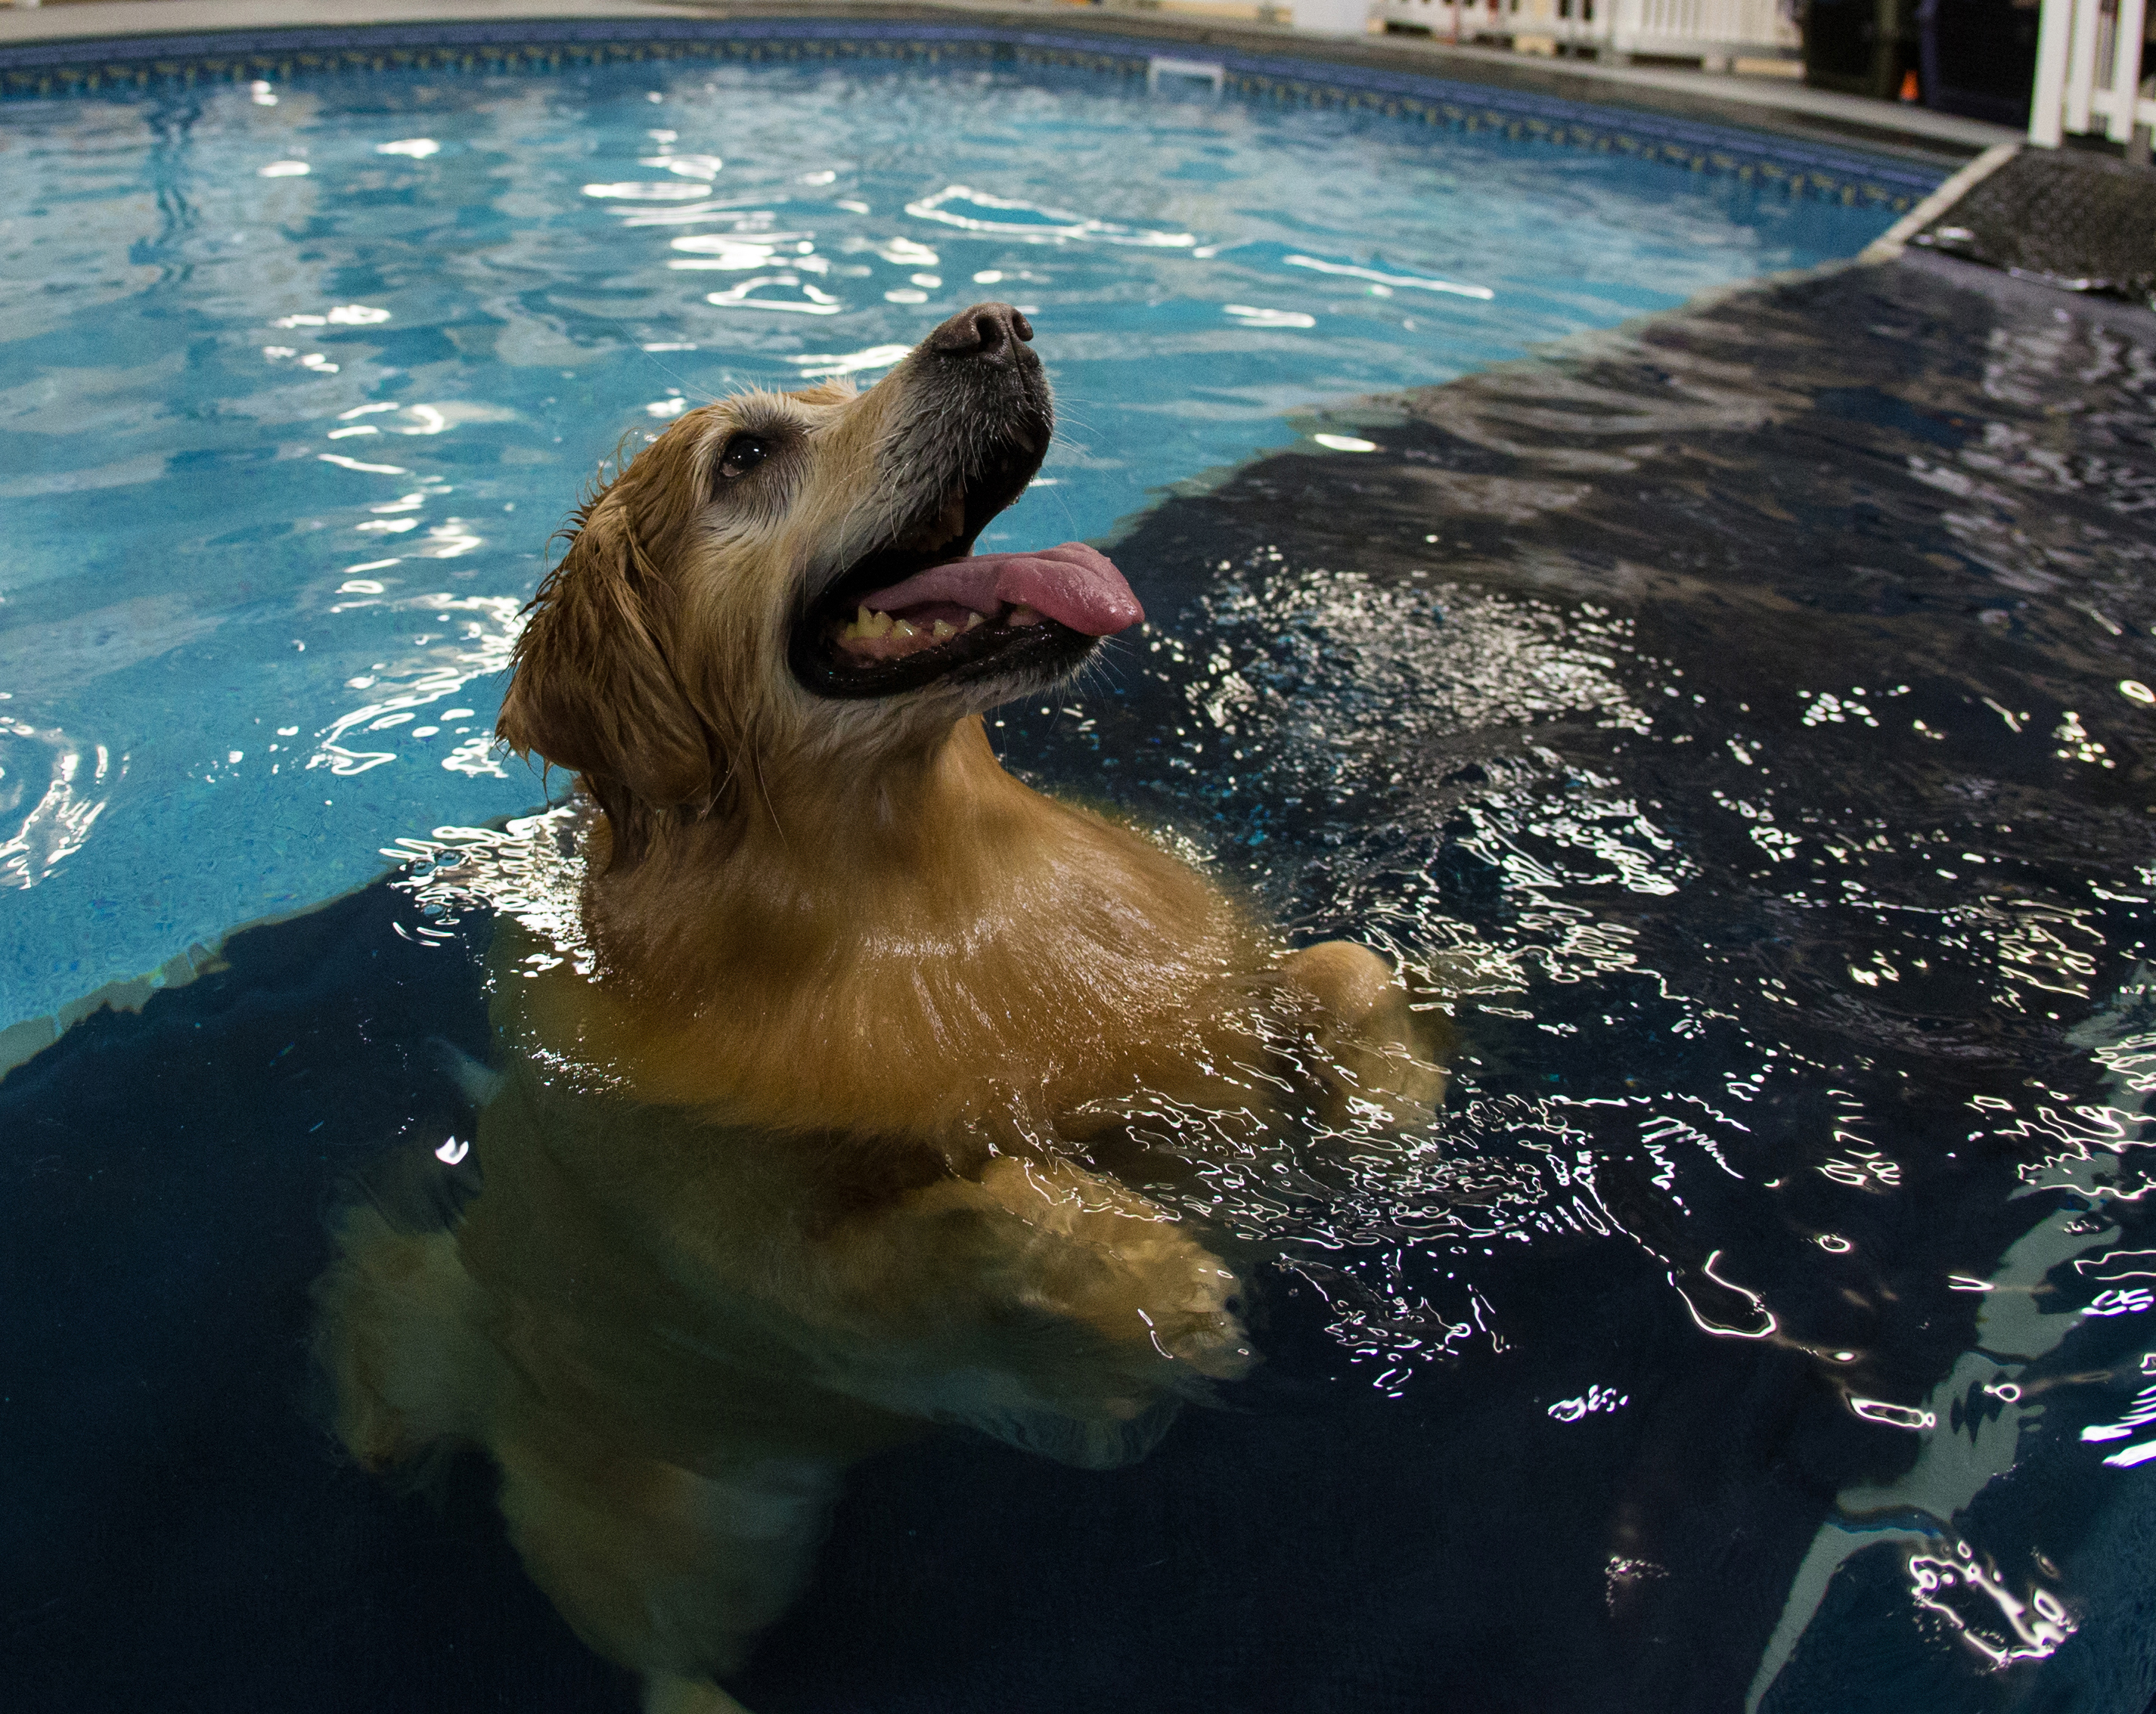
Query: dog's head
{"points": [[784, 580]]}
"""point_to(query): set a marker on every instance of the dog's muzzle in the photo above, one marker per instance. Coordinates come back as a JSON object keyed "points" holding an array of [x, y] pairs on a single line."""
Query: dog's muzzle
{"points": [[921, 609]]}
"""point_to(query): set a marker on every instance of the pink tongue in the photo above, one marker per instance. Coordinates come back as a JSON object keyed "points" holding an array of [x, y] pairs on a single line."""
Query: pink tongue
{"points": [[1072, 584]]}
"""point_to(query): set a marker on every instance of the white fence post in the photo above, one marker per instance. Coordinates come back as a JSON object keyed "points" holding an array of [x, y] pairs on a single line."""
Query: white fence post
{"points": [[2088, 72], [2080, 64], [2047, 110], [2126, 68], [1713, 33]]}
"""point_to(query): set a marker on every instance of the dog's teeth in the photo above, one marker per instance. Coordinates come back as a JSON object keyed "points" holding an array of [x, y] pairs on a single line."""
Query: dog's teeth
{"points": [[1025, 616], [879, 625], [901, 629], [945, 628], [973, 619]]}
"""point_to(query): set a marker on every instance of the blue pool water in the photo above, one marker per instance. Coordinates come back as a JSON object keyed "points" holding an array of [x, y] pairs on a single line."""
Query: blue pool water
{"points": [[1738, 725], [1743, 726], [296, 380]]}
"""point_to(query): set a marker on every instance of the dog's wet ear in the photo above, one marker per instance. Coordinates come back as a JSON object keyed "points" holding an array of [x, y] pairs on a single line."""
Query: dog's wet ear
{"points": [[591, 689]]}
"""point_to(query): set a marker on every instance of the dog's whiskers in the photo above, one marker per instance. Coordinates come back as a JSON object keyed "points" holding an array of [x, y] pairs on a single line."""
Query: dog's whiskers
{"points": [[756, 768], [687, 385]]}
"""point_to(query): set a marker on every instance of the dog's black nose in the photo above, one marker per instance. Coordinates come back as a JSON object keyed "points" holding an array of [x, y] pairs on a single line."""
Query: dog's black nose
{"points": [[992, 331]]}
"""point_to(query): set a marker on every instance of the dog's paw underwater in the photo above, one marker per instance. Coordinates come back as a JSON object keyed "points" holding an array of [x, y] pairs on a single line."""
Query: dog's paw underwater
{"points": [[836, 1127]]}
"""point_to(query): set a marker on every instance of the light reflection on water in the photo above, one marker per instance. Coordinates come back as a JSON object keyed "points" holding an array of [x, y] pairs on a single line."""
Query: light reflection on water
{"points": [[1737, 731], [1772, 820], [1783, 876]]}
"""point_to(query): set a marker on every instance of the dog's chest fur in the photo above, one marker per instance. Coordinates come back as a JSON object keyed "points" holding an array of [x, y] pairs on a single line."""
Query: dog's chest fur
{"points": [[949, 950]]}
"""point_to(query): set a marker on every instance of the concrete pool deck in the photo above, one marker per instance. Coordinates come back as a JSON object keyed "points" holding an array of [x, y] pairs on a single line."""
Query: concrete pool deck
{"points": [[1770, 103]]}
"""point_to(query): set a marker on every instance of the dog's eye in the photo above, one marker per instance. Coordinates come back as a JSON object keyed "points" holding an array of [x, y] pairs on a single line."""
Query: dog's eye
{"points": [[743, 453]]}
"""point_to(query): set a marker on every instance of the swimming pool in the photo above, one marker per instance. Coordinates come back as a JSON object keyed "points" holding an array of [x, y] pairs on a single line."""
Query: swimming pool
{"points": [[1740, 717], [303, 375]]}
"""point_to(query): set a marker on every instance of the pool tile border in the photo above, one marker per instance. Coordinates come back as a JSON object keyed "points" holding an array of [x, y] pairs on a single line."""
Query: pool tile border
{"points": [[1853, 176]]}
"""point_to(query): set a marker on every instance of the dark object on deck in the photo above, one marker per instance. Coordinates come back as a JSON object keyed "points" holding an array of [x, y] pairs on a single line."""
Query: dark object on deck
{"points": [[2074, 219], [1979, 57], [1860, 47]]}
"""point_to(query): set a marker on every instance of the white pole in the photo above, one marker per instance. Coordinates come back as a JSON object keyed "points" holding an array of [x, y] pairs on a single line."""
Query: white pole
{"points": [[2126, 68], [2080, 65], [2053, 37]]}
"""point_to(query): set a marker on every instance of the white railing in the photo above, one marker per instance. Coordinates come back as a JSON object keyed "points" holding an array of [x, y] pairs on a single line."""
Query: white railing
{"points": [[2088, 71], [1713, 32]]}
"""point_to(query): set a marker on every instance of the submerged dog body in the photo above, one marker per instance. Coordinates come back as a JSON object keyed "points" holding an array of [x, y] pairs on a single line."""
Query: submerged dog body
{"points": [[789, 1170]]}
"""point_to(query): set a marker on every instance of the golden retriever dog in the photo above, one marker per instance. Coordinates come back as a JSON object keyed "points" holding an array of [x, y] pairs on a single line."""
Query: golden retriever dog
{"points": [[813, 1144]]}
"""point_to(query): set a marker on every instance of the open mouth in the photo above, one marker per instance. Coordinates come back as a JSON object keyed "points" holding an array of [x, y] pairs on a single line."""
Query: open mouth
{"points": [[924, 607]]}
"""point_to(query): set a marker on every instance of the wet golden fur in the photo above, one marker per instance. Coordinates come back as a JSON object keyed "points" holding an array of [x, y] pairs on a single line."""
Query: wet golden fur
{"points": [[789, 1171]]}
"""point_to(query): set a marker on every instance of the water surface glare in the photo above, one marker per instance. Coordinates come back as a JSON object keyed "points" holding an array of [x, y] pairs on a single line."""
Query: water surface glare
{"points": [[1741, 728], [1738, 725], [296, 381]]}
